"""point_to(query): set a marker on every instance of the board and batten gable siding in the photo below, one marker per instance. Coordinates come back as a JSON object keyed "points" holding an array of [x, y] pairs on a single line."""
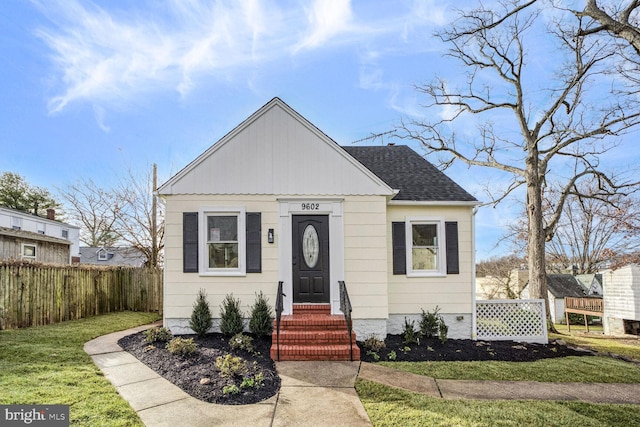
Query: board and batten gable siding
{"points": [[452, 293], [365, 256], [275, 151], [46, 252], [621, 297]]}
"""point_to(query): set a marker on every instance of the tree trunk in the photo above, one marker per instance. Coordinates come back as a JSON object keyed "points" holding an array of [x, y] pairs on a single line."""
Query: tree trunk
{"points": [[537, 234]]}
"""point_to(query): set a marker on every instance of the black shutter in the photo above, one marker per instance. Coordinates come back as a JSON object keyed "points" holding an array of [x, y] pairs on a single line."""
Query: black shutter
{"points": [[254, 242], [190, 242], [399, 248], [453, 263]]}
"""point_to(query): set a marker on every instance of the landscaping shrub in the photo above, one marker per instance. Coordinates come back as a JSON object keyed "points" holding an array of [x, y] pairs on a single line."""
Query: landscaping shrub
{"points": [[157, 334], [429, 323], [443, 330], [373, 343], [201, 316], [231, 321], [241, 342], [230, 366], [182, 346], [261, 322], [409, 333]]}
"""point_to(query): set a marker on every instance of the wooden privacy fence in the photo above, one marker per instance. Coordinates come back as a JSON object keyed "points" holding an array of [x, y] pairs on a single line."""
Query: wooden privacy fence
{"points": [[35, 294]]}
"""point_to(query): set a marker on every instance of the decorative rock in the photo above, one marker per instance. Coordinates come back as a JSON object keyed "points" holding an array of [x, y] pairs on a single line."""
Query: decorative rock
{"points": [[205, 381]]}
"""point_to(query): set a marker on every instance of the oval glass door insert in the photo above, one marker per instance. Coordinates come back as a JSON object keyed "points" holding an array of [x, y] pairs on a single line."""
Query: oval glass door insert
{"points": [[310, 246]]}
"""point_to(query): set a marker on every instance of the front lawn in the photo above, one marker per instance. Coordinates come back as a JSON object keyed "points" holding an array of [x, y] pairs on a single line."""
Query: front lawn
{"points": [[389, 406], [47, 365], [629, 346], [584, 369]]}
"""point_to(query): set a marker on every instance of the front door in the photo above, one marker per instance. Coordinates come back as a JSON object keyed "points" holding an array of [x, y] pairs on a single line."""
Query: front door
{"points": [[310, 258]]}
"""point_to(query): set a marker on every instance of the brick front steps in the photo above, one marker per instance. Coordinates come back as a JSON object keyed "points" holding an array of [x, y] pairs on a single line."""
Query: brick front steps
{"points": [[312, 333]]}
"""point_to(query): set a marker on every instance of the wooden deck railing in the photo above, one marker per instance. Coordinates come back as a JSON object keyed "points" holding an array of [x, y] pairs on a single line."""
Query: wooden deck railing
{"points": [[587, 306]]}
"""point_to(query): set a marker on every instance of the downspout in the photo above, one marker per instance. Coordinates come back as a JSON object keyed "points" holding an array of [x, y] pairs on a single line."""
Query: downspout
{"points": [[474, 332]]}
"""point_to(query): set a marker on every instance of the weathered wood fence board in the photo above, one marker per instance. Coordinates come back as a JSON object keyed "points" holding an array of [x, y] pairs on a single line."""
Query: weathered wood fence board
{"points": [[35, 294]]}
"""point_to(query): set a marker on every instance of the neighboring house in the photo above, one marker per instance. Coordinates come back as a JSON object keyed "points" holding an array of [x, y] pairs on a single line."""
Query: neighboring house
{"points": [[276, 199], [53, 235], [560, 286], [494, 287], [621, 297], [592, 283], [126, 256], [28, 246]]}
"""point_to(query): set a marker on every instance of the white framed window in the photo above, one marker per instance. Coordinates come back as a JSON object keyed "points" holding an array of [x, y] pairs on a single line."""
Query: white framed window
{"points": [[65, 233], [28, 251], [40, 228], [222, 243], [426, 246], [16, 223], [102, 255]]}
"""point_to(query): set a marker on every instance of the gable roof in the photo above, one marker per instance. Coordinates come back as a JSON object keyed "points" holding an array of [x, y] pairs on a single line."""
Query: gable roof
{"points": [[10, 232], [124, 256], [276, 151], [405, 170], [564, 285]]}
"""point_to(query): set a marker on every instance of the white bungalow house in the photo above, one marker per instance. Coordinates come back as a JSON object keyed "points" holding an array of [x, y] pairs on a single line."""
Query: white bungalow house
{"points": [[277, 200]]}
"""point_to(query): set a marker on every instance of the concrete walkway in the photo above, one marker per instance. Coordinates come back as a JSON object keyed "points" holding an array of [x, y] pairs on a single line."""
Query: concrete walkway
{"points": [[502, 390], [313, 393]]}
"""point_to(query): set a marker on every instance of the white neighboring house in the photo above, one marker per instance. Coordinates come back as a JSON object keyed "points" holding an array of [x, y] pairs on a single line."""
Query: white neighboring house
{"points": [[23, 224], [621, 297], [276, 200], [112, 256]]}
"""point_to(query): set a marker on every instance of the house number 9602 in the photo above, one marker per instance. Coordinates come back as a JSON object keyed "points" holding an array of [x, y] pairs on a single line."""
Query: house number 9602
{"points": [[310, 206]]}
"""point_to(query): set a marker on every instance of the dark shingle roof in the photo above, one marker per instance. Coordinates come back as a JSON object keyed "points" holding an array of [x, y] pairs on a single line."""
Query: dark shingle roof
{"points": [[403, 169], [564, 285]]}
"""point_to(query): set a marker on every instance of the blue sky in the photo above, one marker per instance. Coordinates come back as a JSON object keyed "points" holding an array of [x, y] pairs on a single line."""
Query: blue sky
{"points": [[91, 89]]}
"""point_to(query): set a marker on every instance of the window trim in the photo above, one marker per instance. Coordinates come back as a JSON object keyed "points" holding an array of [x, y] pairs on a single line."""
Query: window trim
{"points": [[441, 266], [103, 255], [203, 250], [35, 251]]}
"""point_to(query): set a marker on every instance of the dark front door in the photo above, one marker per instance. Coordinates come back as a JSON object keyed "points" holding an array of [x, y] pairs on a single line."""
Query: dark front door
{"points": [[310, 258]]}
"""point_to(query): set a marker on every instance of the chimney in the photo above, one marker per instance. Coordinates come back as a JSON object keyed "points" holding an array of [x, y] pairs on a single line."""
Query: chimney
{"points": [[51, 214]]}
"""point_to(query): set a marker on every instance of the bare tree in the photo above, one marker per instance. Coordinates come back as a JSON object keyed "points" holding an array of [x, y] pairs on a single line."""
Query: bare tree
{"points": [[95, 210], [498, 271], [139, 222], [551, 126]]}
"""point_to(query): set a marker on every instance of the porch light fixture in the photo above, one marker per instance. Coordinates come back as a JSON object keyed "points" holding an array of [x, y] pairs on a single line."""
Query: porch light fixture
{"points": [[270, 235]]}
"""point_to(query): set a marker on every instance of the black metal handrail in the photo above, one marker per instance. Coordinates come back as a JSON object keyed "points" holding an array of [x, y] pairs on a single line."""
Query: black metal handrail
{"points": [[345, 308], [279, 310]]}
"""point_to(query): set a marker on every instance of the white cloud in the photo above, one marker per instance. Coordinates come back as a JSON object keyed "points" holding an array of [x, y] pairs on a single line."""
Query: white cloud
{"points": [[111, 56], [327, 19]]}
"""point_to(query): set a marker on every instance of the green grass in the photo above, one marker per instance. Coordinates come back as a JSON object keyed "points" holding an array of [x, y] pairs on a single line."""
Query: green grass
{"points": [[388, 406], [624, 347], [47, 365], [586, 369]]}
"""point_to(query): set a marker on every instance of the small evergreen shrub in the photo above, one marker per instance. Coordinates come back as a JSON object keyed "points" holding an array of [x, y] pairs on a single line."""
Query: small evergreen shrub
{"points": [[409, 333], [373, 343], [429, 323], [201, 316], [231, 321], [182, 346], [261, 322], [157, 334], [230, 366], [443, 330], [241, 342]]}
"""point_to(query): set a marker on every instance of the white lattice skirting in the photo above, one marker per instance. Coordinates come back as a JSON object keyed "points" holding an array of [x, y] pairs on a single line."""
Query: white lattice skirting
{"points": [[517, 320]]}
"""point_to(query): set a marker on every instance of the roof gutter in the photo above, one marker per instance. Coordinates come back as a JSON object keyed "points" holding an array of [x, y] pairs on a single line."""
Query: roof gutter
{"points": [[434, 203]]}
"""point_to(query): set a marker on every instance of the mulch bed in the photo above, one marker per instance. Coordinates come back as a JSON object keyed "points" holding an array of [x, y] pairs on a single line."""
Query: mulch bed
{"points": [[198, 376], [430, 349], [190, 372]]}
